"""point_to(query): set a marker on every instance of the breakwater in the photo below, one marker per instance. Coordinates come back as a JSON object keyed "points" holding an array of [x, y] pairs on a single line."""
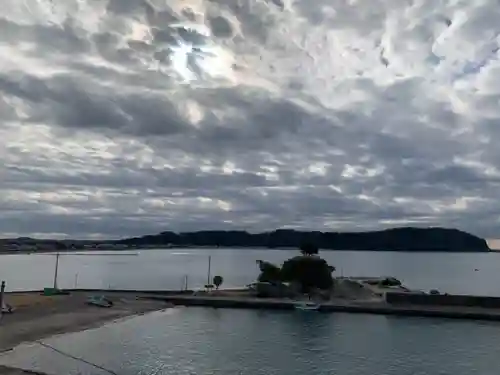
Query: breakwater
{"points": [[395, 303], [380, 307], [485, 302]]}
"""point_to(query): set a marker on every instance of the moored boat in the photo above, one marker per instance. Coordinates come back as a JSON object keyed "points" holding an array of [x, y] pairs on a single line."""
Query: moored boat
{"points": [[307, 306], [100, 301]]}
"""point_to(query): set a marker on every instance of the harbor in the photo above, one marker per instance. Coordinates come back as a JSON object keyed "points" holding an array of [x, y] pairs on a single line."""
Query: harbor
{"points": [[67, 302], [37, 316], [33, 315]]}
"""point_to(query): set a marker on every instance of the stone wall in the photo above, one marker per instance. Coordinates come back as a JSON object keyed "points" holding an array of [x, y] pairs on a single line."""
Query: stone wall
{"points": [[396, 298]]}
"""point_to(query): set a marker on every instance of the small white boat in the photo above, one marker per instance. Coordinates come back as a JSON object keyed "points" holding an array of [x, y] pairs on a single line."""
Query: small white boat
{"points": [[306, 306], [6, 308], [100, 301]]}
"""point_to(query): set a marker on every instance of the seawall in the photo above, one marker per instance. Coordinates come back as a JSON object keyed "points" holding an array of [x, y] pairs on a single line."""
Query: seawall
{"points": [[381, 308], [397, 304], [486, 302]]}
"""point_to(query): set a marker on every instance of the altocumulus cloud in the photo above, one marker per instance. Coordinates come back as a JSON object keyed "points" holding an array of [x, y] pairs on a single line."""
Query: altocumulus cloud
{"points": [[126, 117]]}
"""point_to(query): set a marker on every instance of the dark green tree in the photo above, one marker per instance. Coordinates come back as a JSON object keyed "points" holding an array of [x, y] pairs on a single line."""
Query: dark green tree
{"points": [[269, 272], [309, 272], [217, 281], [309, 248]]}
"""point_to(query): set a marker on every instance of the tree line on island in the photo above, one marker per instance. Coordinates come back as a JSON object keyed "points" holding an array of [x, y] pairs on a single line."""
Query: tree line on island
{"points": [[396, 239]]}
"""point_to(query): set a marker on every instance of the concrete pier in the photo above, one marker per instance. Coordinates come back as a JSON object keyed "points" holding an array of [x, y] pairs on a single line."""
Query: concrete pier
{"points": [[376, 307], [422, 305]]}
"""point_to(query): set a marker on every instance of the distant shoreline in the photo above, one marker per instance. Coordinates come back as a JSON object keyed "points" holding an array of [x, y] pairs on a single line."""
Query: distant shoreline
{"points": [[238, 248], [408, 239]]}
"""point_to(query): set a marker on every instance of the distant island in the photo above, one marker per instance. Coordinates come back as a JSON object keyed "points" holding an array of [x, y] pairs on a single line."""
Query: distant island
{"points": [[396, 239]]}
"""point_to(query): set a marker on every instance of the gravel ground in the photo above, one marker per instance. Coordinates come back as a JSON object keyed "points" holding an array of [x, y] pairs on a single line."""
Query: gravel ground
{"points": [[37, 317]]}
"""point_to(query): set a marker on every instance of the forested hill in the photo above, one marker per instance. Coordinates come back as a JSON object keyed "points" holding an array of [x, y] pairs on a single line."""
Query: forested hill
{"points": [[397, 239]]}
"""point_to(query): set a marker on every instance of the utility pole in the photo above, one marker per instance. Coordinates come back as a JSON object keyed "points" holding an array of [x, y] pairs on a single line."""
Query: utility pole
{"points": [[209, 269], [56, 271], [208, 273], [2, 291]]}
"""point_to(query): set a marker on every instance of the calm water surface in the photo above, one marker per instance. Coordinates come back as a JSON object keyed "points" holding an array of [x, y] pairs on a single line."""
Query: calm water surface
{"points": [[247, 342], [166, 269]]}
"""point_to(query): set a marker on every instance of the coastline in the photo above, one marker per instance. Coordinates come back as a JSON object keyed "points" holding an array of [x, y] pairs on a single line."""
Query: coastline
{"points": [[408, 239], [239, 248]]}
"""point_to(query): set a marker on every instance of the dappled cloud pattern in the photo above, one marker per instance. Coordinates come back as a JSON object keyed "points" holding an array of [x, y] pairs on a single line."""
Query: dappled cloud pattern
{"points": [[126, 117]]}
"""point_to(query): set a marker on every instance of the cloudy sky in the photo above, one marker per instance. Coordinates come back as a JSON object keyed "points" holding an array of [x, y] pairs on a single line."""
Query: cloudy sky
{"points": [[128, 117]]}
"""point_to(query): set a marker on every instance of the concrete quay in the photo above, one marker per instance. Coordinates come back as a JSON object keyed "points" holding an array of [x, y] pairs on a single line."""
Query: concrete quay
{"points": [[364, 307]]}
